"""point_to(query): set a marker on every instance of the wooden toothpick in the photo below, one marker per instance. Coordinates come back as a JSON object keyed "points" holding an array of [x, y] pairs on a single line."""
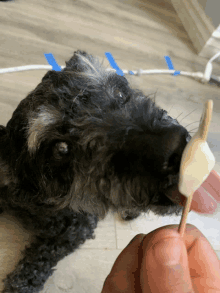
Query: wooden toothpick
{"points": [[196, 164]]}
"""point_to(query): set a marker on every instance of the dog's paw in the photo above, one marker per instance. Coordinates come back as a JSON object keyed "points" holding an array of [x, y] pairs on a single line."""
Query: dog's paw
{"points": [[128, 215]]}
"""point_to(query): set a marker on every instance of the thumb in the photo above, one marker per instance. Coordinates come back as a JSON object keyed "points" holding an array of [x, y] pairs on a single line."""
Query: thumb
{"points": [[165, 264]]}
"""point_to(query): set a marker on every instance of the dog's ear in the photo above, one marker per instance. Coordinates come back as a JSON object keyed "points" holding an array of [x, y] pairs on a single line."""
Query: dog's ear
{"points": [[4, 155], [82, 61], [74, 64]]}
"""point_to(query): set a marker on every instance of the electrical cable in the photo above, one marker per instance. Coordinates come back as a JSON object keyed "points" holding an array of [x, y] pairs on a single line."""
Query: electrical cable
{"points": [[203, 77]]}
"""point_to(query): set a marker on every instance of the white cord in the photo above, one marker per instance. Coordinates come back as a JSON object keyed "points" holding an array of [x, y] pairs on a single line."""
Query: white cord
{"points": [[208, 69], [198, 75], [24, 68], [204, 77]]}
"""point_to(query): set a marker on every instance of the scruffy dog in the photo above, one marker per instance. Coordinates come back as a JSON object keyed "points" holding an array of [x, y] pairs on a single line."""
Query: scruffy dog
{"points": [[83, 143]]}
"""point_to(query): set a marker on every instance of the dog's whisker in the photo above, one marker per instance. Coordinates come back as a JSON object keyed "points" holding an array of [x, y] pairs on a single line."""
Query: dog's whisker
{"points": [[154, 98], [170, 109], [191, 123], [188, 114], [178, 116], [155, 95], [193, 129]]}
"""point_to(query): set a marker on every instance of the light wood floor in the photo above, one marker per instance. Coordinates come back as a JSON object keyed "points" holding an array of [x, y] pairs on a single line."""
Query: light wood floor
{"points": [[138, 34]]}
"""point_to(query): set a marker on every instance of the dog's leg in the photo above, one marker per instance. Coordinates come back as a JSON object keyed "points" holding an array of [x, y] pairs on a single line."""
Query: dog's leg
{"points": [[39, 259]]}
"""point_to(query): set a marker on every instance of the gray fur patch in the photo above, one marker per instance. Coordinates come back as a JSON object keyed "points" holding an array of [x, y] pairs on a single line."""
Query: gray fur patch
{"points": [[38, 125]]}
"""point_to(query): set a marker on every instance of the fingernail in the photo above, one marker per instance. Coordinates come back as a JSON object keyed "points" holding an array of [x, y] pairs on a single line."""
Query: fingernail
{"points": [[212, 206], [167, 252]]}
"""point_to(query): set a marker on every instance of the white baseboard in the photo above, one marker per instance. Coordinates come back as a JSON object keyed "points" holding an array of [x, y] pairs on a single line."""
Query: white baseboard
{"points": [[204, 36]]}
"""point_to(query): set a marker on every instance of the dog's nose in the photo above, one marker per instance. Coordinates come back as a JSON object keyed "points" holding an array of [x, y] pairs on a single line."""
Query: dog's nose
{"points": [[174, 142]]}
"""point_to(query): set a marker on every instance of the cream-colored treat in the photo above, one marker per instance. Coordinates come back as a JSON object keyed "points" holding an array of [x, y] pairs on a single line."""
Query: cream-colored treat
{"points": [[197, 159], [198, 162]]}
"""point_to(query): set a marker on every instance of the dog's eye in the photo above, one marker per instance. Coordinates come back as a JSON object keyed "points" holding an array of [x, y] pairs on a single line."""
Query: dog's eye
{"points": [[60, 150], [119, 95]]}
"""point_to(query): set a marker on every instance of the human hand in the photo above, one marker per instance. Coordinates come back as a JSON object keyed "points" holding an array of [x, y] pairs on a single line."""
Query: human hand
{"points": [[150, 263], [205, 198]]}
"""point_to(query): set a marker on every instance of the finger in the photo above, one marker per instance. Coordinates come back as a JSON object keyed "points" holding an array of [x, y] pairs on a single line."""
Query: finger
{"points": [[203, 261], [202, 201], [192, 233], [204, 267], [165, 263], [123, 273], [205, 196], [212, 185]]}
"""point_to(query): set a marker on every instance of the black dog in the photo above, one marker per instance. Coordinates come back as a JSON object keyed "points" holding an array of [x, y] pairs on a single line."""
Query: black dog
{"points": [[82, 143]]}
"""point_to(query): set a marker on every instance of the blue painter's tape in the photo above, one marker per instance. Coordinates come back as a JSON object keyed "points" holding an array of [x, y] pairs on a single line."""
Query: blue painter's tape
{"points": [[170, 65], [113, 63], [169, 62], [51, 60]]}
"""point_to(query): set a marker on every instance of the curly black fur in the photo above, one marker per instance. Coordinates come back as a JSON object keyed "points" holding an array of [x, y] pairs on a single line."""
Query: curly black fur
{"points": [[44, 253], [81, 143]]}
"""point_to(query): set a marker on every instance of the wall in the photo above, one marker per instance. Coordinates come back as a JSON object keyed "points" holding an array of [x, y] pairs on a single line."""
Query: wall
{"points": [[212, 8]]}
